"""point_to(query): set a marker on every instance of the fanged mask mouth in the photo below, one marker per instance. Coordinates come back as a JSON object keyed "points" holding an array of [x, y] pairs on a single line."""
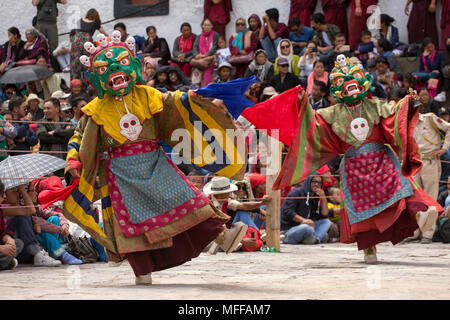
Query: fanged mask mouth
{"points": [[352, 88], [118, 81]]}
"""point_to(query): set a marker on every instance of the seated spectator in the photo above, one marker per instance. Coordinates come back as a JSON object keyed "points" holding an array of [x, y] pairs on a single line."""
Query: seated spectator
{"points": [[25, 138], [54, 137], [444, 114], [300, 35], [284, 80], [431, 64], [319, 74], [35, 46], [306, 220], [178, 80], [243, 43], [324, 34], [384, 49], [12, 49], [76, 89], [285, 50], [254, 24], [150, 68], [272, 33], [156, 47], [196, 178], [10, 248], [50, 84], [253, 94], [428, 103], [443, 193], [396, 95], [62, 52], [7, 133], [365, 47], [161, 80], [306, 62], [334, 212], [385, 76], [21, 225], [225, 73], [318, 96], [389, 32], [268, 93], [223, 53], [77, 104], [260, 67], [9, 92], [34, 108], [205, 47], [121, 27], [442, 97], [339, 47], [183, 49]]}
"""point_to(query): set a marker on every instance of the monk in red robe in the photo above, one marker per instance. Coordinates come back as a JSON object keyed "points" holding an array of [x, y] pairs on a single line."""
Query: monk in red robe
{"points": [[445, 22], [219, 13], [335, 12], [422, 21], [303, 9], [358, 20]]}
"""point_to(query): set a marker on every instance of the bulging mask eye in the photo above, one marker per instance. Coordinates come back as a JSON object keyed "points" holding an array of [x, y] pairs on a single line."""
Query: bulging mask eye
{"points": [[358, 74], [338, 81], [102, 70], [125, 61]]}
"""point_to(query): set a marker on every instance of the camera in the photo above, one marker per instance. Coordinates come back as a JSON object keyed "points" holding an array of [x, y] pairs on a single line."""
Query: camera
{"points": [[314, 49]]}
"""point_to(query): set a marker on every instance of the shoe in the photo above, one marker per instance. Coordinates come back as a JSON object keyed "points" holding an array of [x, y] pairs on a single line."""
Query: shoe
{"points": [[67, 258], [264, 236], [213, 249], [310, 240], [325, 239], [282, 236], [370, 255], [441, 97], [13, 264], [144, 280], [232, 237], [426, 240], [410, 240], [66, 69], [238, 247], [334, 240], [44, 260]]}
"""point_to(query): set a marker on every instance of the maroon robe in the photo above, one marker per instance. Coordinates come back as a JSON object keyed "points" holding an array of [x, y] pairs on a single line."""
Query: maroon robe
{"points": [[359, 24], [303, 9], [219, 14], [336, 14], [445, 22], [422, 23]]}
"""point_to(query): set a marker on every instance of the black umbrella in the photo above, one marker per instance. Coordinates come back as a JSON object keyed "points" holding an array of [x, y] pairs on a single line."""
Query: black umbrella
{"points": [[25, 74]]}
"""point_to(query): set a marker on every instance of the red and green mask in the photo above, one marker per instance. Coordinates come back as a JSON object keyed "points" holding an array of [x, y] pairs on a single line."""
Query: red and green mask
{"points": [[349, 83], [115, 70]]}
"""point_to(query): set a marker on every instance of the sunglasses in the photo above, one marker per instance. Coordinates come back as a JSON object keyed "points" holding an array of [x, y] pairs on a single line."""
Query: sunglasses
{"points": [[284, 66], [285, 47], [240, 24], [9, 92], [241, 187]]}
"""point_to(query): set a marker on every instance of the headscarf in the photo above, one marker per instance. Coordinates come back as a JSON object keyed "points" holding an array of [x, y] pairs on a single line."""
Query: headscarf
{"points": [[256, 179], [185, 45], [259, 70], [238, 40], [290, 56], [257, 18], [76, 82]]}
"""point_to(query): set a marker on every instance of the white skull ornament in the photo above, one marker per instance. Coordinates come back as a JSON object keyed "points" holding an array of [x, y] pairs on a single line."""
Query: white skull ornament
{"points": [[89, 47], [360, 128], [101, 38], [116, 36], [341, 60], [130, 127], [85, 61], [131, 43]]}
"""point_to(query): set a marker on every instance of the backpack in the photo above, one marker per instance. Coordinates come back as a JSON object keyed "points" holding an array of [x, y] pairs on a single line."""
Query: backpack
{"points": [[82, 249], [442, 233]]}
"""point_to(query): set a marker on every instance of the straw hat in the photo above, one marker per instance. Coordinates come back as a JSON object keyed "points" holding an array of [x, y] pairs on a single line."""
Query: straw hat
{"points": [[219, 185], [60, 95]]}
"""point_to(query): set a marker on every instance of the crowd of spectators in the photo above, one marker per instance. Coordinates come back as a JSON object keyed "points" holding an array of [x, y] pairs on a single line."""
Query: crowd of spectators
{"points": [[281, 55]]}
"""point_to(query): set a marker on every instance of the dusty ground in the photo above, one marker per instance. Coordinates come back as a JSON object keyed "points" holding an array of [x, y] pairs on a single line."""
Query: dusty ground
{"points": [[331, 271]]}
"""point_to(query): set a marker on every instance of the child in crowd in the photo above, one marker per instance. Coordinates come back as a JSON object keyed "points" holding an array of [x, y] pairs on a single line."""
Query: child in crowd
{"points": [[385, 76], [334, 207], [150, 68], [225, 73], [223, 54], [161, 81], [365, 47]]}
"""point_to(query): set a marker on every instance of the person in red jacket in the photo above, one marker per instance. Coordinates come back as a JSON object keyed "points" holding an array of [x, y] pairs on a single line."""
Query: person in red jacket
{"points": [[219, 13]]}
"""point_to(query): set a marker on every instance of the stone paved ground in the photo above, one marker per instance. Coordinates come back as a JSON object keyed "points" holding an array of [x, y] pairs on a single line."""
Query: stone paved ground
{"points": [[331, 271]]}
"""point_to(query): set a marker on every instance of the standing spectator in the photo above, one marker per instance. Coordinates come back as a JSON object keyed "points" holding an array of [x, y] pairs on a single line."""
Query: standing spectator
{"points": [[7, 133], [299, 35], [335, 12], [218, 12], [87, 27], [34, 108], [54, 137], [388, 31], [12, 49], [285, 50], [284, 80], [302, 9], [260, 67], [205, 48], [384, 49], [422, 21], [272, 33], [62, 52], [156, 47], [318, 73], [317, 97], [25, 138], [183, 49], [47, 14], [121, 27], [324, 34], [428, 104], [431, 64], [35, 46], [358, 19], [50, 84], [254, 24], [305, 220], [243, 43], [306, 62], [365, 47]]}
